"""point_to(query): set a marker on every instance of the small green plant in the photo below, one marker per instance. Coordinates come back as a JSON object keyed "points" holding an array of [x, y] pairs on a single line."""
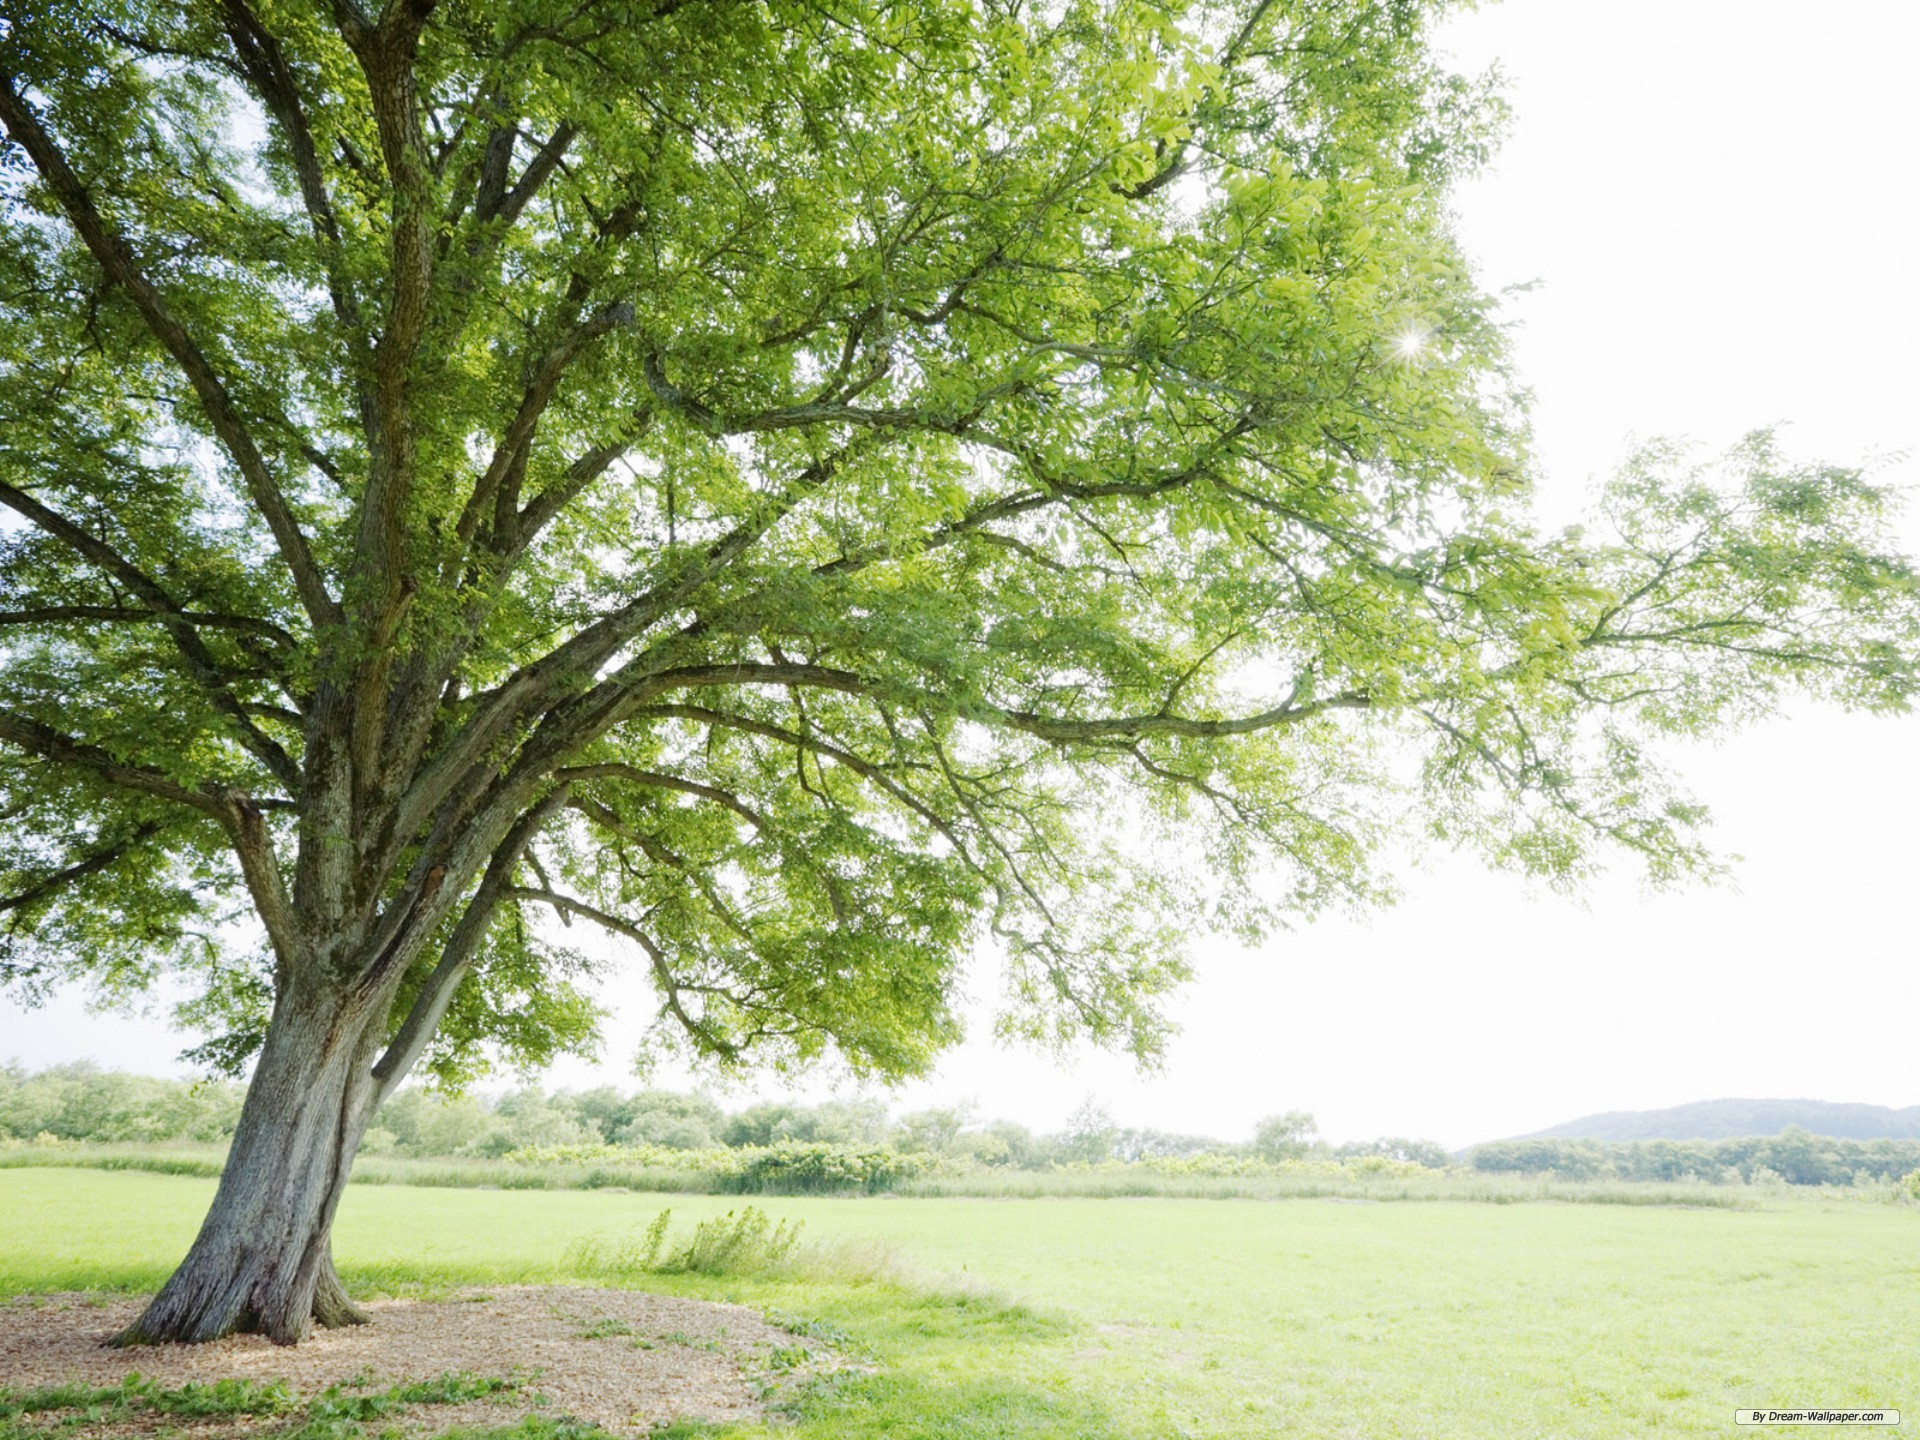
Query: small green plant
{"points": [[788, 1357], [825, 1331], [601, 1329], [68, 1397], [108, 1403], [452, 1388], [690, 1342], [222, 1397], [656, 1238]]}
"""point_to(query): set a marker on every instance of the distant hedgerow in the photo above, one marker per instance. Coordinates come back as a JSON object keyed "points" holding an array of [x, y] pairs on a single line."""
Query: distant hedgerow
{"points": [[786, 1168]]}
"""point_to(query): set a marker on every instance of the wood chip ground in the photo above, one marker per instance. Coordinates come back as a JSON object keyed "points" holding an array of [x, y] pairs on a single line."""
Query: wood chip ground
{"points": [[621, 1359]]}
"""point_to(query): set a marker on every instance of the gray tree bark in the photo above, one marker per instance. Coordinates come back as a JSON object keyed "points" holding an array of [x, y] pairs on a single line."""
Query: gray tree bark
{"points": [[262, 1262]]}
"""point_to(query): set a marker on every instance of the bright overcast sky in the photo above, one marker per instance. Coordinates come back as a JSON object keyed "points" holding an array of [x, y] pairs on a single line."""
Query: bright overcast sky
{"points": [[1718, 198]]}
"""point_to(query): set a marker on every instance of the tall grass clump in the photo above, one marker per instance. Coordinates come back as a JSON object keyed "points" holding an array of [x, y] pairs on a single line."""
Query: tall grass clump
{"points": [[597, 1256], [749, 1243], [740, 1244]]}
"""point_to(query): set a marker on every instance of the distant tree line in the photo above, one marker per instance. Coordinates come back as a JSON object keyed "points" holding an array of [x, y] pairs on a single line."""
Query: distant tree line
{"points": [[81, 1102], [1795, 1156]]}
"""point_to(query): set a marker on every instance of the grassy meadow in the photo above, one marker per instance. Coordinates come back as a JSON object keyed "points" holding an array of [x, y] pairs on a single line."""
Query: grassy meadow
{"points": [[1124, 1319]]}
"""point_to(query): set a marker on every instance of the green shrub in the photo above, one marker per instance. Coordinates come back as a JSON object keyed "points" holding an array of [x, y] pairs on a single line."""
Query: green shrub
{"points": [[787, 1168], [813, 1169]]}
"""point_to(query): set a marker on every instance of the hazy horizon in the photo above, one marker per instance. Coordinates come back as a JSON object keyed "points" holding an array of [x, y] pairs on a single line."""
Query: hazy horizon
{"points": [[496, 1087]]}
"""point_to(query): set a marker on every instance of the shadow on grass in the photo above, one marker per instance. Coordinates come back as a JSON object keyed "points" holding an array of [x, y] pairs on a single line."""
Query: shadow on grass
{"points": [[907, 1407], [949, 1365], [975, 1315]]}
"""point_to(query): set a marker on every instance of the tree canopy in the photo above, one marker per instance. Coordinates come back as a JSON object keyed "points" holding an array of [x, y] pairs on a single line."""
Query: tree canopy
{"points": [[805, 488], [773, 463]]}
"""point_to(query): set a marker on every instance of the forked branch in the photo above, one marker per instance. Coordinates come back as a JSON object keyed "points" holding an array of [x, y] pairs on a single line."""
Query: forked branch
{"points": [[456, 959]]}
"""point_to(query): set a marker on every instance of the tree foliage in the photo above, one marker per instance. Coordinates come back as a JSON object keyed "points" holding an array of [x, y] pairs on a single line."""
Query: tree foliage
{"points": [[751, 477]]}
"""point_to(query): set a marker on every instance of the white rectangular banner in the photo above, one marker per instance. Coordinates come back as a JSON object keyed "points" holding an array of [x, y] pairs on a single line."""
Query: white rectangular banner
{"points": [[1836, 1416]]}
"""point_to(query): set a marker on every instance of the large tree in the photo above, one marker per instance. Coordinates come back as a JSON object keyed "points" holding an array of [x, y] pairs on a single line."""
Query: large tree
{"points": [[744, 475]]}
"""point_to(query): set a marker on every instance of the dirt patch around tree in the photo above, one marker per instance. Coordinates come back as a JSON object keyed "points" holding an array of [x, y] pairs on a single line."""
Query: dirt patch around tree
{"points": [[620, 1359]]}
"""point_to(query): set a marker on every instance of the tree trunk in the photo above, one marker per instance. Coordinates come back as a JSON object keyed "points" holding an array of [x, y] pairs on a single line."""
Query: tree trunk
{"points": [[263, 1260]]}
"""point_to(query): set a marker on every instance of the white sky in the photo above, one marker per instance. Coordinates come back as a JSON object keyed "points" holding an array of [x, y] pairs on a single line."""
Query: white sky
{"points": [[1719, 197]]}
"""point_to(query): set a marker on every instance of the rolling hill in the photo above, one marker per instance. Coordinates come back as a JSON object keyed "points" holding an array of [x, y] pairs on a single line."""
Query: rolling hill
{"points": [[1726, 1119]]}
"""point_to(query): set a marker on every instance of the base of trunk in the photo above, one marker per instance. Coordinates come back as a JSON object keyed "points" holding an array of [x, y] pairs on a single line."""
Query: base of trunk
{"points": [[188, 1313], [263, 1263]]}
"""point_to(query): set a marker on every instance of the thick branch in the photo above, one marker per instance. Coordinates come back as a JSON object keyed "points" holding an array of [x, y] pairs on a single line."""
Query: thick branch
{"points": [[662, 854], [655, 779], [510, 455], [253, 843], [265, 65], [387, 54], [116, 259], [567, 904], [662, 972], [544, 162], [1288, 712], [1055, 728], [430, 1004], [236, 811], [542, 508], [528, 689], [800, 740], [42, 740], [111, 614], [79, 870]]}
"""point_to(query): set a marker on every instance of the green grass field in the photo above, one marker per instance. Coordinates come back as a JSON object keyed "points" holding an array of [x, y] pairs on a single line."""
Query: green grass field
{"points": [[1130, 1319]]}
